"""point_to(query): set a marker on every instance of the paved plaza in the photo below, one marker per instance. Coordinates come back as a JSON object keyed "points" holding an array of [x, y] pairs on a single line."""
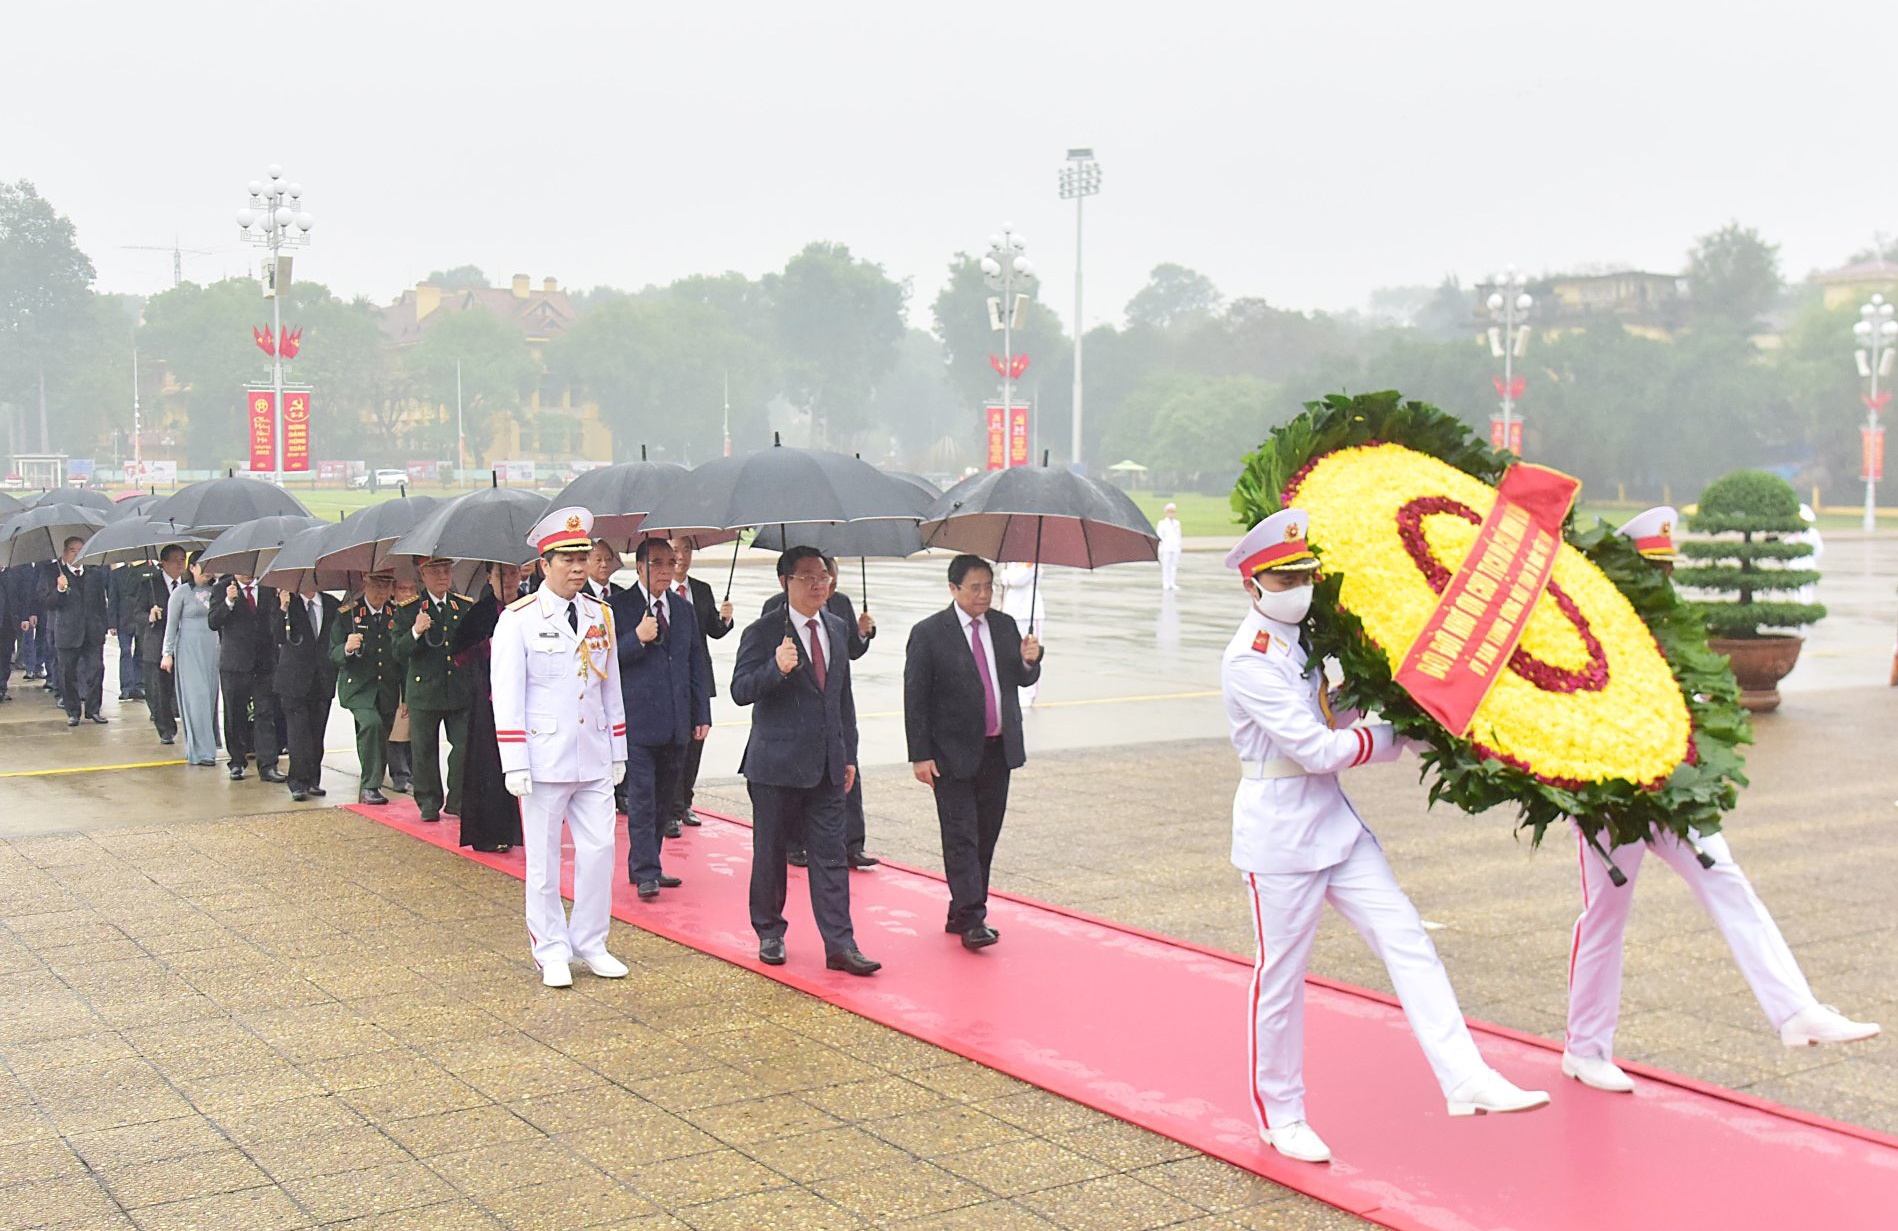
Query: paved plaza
{"points": [[221, 1009]]}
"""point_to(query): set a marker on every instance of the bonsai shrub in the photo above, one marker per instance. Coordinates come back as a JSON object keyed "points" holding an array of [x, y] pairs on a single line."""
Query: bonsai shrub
{"points": [[1748, 512]]}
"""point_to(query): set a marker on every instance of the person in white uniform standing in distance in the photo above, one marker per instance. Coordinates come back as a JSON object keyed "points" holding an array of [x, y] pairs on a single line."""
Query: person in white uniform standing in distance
{"points": [[561, 724], [1300, 844], [1170, 540], [1594, 971]]}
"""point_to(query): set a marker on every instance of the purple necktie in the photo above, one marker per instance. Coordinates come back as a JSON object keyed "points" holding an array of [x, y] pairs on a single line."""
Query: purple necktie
{"points": [[991, 708]]}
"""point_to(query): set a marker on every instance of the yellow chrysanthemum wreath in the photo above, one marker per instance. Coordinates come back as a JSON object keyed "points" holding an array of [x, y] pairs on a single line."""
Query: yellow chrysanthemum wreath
{"points": [[1612, 709]]}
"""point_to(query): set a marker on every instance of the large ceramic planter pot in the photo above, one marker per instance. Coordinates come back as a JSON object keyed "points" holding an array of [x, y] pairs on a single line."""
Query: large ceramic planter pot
{"points": [[1759, 663]]}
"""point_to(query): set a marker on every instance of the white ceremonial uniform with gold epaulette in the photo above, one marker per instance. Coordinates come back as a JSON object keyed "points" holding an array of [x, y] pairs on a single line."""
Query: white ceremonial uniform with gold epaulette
{"points": [[559, 716], [1301, 844]]}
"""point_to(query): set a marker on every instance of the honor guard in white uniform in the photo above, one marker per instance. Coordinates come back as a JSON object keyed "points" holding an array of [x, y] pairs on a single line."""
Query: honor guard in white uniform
{"points": [[1300, 844], [561, 724], [1706, 864]]}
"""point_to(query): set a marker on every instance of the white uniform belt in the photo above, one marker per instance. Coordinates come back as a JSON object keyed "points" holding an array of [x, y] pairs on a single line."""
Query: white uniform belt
{"points": [[1279, 767]]}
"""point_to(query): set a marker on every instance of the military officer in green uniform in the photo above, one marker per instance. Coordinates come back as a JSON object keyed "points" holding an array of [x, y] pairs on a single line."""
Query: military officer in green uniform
{"points": [[362, 645], [438, 691]]}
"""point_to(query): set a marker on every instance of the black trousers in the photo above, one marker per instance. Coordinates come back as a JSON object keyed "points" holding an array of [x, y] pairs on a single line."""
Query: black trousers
{"points": [[820, 810], [161, 700], [305, 718], [652, 790], [969, 811], [82, 680], [854, 836], [689, 775], [250, 717], [9, 636]]}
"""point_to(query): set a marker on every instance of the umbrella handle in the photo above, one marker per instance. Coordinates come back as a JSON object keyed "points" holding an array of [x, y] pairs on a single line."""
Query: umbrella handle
{"points": [[734, 569], [1034, 589], [864, 565]]}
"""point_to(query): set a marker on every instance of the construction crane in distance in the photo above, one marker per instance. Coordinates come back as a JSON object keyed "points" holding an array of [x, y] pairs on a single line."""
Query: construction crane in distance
{"points": [[178, 256]]}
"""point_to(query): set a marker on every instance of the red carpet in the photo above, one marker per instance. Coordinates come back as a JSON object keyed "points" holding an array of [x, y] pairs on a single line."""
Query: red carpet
{"points": [[1152, 1030]]}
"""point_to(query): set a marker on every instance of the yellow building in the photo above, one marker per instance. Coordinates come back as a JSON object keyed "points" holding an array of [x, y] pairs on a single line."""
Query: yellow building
{"points": [[1648, 304], [1852, 285]]}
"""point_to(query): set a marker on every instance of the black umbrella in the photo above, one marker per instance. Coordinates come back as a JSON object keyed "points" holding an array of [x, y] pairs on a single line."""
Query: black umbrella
{"points": [[361, 542], [128, 505], [490, 525], [297, 562], [884, 539], [41, 534], [619, 497], [76, 498], [917, 481], [9, 505], [136, 538], [219, 504], [249, 548]]}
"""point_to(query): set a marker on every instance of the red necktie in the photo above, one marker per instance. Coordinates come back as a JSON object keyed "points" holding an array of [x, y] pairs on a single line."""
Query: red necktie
{"points": [[817, 652], [250, 598], [991, 708]]}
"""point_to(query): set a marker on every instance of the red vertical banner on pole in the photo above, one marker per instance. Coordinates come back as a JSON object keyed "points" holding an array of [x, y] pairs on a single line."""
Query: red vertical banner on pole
{"points": [[1872, 459], [998, 437], [263, 435], [1512, 443], [1018, 436], [296, 431]]}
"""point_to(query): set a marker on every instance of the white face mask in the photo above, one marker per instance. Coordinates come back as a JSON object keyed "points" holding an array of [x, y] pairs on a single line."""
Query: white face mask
{"points": [[1285, 606]]}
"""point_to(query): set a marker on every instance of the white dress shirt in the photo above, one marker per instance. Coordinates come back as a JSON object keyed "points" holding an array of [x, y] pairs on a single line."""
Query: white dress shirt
{"points": [[801, 624]]}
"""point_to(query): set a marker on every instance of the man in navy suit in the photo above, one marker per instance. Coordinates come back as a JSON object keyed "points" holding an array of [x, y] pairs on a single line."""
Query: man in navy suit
{"points": [[962, 716], [666, 685], [306, 681], [801, 760]]}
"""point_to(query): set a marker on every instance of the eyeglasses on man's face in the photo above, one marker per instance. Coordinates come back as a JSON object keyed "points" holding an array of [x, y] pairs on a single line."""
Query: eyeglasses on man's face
{"points": [[811, 579], [977, 587]]}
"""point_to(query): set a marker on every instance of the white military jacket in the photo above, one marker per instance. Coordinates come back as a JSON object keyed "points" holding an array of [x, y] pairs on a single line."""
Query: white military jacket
{"points": [[1297, 822], [558, 712]]}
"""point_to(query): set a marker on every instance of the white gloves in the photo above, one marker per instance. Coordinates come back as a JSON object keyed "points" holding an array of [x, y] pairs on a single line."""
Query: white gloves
{"points": [[520, 782], [619, 772]]}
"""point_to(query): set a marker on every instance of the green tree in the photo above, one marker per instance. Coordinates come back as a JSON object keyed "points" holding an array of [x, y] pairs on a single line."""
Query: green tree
{"points": [[1187, 426], [45, 298], [497, 369], [1823, 390], [1173, 295], [202, 334], [460, 278], [355, 377], [838, 320], [1734, 274], [916, 406]]}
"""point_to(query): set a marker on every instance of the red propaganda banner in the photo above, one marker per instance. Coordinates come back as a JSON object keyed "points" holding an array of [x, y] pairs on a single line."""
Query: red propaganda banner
{"points": [[1018, 436], [296, 430], [1513, 444], [998, 438], [1872, 460], [263, 430], [332, 472], [1452, 664]]}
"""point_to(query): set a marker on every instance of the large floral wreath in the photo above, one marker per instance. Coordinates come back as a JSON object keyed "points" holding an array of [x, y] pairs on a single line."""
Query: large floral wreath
{"points": [[1612, 709]]}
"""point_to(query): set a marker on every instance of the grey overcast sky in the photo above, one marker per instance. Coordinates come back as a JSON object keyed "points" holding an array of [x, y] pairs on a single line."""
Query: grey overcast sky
{"points": [[1307, 153]]}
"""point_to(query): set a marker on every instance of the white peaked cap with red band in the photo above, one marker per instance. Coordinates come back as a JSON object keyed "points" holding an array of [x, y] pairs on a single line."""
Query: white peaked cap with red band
{"points": [[1652, 533], [1275, 544], [568, 529]]}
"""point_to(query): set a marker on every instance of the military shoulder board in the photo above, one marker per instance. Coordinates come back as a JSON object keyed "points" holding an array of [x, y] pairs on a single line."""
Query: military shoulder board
{"points": [[522, 603]]}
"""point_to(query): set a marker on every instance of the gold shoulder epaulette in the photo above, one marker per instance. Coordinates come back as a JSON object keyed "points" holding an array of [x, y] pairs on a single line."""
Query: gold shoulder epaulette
{"points": [[403, 602], [463, 597], [521, 603]]}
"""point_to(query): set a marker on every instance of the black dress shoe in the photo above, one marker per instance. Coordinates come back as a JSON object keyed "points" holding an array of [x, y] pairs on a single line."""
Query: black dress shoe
{"points": [[672, 829], [72, 720], [798, 859], [689, 818], [860, 860], [852, 962], [454, 812], [648, 890], [432, 816], [401, 785], [167, 739], [981, 936], [299, 797], [372, 796], [271, 773], [317, 791], [237, 773], [670, 882], [100, 719], [771, 951]]}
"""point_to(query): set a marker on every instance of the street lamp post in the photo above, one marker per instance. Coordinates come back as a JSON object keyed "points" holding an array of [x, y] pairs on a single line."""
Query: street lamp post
{"points": [[1080, 179], [1508, 306], [1007, 270], [1877, 335], [275, 220]]}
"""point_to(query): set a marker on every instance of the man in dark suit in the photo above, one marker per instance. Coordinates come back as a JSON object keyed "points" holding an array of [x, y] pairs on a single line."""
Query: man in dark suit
{"points": [[306, 681], [801, 758], [863, 630], [602, 562], [963, 722], [126, 582], [76, 599], [152, 605], [242, 613], [24, 610], [667, 691], [714, 621], [9, 632]]}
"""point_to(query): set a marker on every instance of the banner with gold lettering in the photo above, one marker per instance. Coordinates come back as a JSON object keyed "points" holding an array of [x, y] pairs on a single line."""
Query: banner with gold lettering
{"points": [[296, 430], [263, 430], [998, 437], [1479, 617]]}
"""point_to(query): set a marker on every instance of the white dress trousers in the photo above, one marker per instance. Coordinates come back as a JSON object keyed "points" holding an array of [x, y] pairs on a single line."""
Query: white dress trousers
{"points": [[1594, 970]]}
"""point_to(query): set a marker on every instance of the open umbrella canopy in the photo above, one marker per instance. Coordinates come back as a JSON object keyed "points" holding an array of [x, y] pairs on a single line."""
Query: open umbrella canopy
{"points": [[1037, 515], [41, 534], [619, 497], [248, 549], [136, 538], [490, 525], [128, 503], [9, 505], [297, 562], [361, 542], [219, 504], [76, 498], [884, 538], [778, 485]]}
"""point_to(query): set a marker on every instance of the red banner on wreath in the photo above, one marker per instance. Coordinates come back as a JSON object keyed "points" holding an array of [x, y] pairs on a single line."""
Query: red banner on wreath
{"points": [[263, 429], [1480, 615], [1871, 454], [296, 430]]}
